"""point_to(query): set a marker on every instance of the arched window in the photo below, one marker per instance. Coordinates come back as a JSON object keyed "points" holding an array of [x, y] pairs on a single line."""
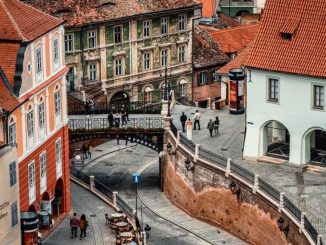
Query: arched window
{"points": [[12, 131], [30, 126], [148, 95], [41, 117], [183, 88], [57, 104]]}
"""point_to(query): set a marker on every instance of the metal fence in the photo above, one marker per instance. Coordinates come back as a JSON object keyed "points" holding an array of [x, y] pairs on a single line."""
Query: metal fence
{"points": [[269, 190], [102, 123], [187, 143], [244, 173], [310, 229], [124, 206], [75, 108], [103, 189], [289, 206], [174, 130], [210, 156]]}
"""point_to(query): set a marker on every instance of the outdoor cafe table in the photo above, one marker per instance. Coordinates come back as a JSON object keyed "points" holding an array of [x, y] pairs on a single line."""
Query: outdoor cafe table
{"points": [[122, 225], [126, 236], [117, 217]]}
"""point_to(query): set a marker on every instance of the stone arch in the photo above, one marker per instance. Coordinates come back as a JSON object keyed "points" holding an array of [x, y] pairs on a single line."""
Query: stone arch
{"points": [[59, 200], [310, 151], [274, 140]]}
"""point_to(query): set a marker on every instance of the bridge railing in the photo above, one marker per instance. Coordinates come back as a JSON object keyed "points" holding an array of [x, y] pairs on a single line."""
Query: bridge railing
{"points": [[102, 123], [230, 168]]}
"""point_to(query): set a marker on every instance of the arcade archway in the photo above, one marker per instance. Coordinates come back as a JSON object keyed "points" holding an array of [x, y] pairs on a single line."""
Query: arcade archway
{"points": [[315, 146]]}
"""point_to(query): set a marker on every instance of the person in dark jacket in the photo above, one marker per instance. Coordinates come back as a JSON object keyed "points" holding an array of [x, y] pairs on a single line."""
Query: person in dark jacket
{"points": [[216, 125], [183, 119], [110, 119], [210, 127], [83, 223]]}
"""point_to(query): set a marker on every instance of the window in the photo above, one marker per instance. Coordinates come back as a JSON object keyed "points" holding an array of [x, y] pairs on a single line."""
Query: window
{"points": [[92, 72], [30, 125], [91, 39], [164, 25], [58, 157], [69, 43], [148, 95], [318, 97], [273, 87], [203, 78], [181, 22], [183, 88], [14, 214], [233, 56], [146, 28], [181, 54], [43, 172], [41, 115], [38, 60], [12, 173], [118, 67], [118, 34], [31, 181], [57, 105], [164, 57], [12, 134], [55, 51], [147, 61]]}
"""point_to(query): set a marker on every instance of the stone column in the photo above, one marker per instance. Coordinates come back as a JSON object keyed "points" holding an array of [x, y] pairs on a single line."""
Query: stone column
{"points": [[91, 182], [164, 110]]}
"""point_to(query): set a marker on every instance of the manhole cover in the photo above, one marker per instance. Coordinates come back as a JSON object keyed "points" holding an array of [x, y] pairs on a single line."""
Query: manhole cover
{"points": [[99, 150], [129, 150], [224, 149], [93, 215], [108, 164]]}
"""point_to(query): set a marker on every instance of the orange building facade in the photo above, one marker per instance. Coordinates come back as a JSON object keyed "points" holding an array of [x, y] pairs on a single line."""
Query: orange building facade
{"points": [[33, 91]]}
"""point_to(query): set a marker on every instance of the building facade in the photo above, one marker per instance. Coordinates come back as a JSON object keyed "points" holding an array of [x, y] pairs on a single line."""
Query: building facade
{"points": [[124, 53], [239, 7], [33, 74], [286, 95]]}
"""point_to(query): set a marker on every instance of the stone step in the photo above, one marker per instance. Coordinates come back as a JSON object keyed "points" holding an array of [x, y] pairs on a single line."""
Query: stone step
{"points": [[272, 160], [315, 168]]}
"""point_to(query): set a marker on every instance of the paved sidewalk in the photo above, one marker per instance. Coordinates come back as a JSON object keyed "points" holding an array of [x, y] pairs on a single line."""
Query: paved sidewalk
{"points": [[98, 233], [307, 190], [115, 172]]}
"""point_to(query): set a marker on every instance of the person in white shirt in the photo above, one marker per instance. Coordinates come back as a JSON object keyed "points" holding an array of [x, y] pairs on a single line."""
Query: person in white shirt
{"points": [[197, 118]]}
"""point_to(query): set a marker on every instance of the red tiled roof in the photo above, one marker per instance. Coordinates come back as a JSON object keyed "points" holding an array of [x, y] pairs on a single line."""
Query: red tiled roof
{"points": [[305, 54], [235, 39], [80, 12], [8, 54], [238, 61], [7, 100], [19, 21]]}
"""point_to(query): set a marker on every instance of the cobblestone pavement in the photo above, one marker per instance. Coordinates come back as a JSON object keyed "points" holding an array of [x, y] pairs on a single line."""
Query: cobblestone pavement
{"points": [[98, 233], [307, 190], [115, 172]]}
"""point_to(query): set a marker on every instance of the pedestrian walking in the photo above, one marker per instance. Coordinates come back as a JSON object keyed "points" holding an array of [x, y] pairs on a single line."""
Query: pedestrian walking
{"points": [[110, 119], [183, 119], [210, 127], [84, 150], [92, 107], [89, 151], [118, 139], [197, 118], [124, 117], [117, 119], [87, 104], [74, 224], [83, 223], [216, 125]]}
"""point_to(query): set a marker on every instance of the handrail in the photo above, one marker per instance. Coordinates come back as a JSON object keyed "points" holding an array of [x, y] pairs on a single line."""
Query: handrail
{"points": [[250, 179]]}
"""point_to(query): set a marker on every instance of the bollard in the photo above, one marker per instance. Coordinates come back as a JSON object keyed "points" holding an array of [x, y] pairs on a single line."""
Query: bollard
{"points": [[228, 167], [115, 193], [302, 222], [178, 137], [143, 234], [281, 205], [196, 152], [256, 183], [91, 182]]}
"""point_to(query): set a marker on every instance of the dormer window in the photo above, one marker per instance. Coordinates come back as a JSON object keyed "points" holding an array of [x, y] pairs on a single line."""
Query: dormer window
{"points": [[286, 36]]}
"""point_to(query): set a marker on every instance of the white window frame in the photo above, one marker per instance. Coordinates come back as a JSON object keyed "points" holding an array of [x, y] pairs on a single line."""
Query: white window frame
{"points": [[30, 129], [41, 120], [203, 79], [182, 54], [39, 64], [58, 157], [181, 22], [147, 61], [91, 39], [55, 54], [12, 134], [92, 72], [164, 25], [318, 96], [43, 172], [31, 182], [118, 67], [69, 42], [118, 39], [13, 174], [146, 28], [273, 89], [57, 107], [164, 57], [182, 89]]}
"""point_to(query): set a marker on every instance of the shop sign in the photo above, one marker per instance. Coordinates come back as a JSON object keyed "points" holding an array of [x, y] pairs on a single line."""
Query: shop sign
{"points": [[2, 206]]}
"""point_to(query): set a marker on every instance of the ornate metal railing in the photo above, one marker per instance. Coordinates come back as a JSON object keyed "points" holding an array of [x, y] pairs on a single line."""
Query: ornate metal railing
{"points": [[102, 123], [250, 179], [75, 108], [174, 130]]}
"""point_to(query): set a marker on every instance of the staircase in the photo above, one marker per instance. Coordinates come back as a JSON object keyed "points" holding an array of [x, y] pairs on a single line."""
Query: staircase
{"points": [[316, 168], [184, 101], [92, 91]]}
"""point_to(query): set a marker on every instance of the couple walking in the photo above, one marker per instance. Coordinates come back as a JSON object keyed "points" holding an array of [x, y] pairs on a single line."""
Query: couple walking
{"points": [[82, 223], [183, 119], [213, 126]]}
